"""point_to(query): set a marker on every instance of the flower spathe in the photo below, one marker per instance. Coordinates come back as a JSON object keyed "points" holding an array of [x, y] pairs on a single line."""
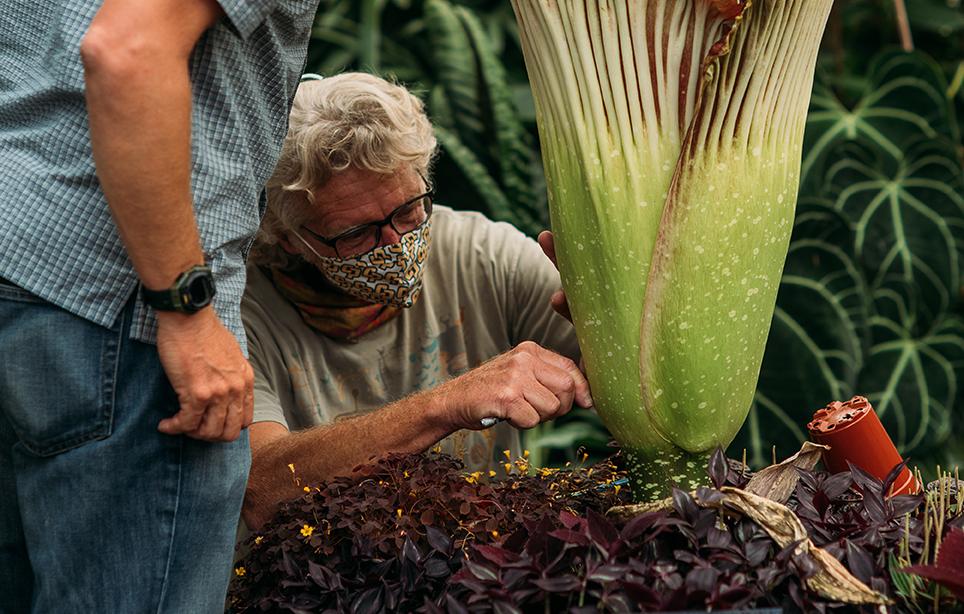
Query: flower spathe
{"points": [[671, 134]]}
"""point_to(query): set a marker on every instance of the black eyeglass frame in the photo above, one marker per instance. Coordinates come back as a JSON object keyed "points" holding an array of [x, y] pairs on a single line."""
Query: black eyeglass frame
{"points": [[332, 242]]}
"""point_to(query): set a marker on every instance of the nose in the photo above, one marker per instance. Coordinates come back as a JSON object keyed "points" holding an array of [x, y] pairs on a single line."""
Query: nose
{"points": [[389, 236]]}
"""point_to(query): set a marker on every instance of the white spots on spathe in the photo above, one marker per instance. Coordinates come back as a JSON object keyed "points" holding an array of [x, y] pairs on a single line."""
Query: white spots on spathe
{"points": [[756, 151], [683, 325], [702, 405], [712, 188], [779, 198], [642, 203], [732, 313], [580, 246], [721, 166]]}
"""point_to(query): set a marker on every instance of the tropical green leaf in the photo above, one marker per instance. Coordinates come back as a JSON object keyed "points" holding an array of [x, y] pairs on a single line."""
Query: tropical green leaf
{"points": [[905, 98], [912, 382], [511, 146], [457, 70], [939, 16], [907, 219], [872, 282], [477, 175]]}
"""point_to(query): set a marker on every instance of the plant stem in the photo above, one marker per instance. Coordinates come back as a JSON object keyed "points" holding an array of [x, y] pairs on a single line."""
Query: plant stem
{"points": [[903, 25]]}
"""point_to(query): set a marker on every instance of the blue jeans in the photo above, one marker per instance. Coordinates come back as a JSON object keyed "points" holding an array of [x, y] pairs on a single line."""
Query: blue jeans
{"points": [[99, 512]]}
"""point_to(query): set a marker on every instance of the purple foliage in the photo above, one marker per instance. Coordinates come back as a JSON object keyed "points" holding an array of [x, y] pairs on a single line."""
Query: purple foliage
{"points": [[412, 534]]}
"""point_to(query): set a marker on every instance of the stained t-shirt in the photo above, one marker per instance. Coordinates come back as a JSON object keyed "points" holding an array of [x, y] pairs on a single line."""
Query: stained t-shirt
{"points": [[486, 288]]}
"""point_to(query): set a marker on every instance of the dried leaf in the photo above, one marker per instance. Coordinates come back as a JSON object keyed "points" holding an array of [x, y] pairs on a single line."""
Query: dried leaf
{"points": [[777, 482], [625, 513], [832, 579]]}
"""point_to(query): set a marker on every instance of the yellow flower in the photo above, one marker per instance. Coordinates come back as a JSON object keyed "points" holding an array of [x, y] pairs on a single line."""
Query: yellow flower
{"points": [[259, 539], [307, 530], [240, 571], [307, 489]]}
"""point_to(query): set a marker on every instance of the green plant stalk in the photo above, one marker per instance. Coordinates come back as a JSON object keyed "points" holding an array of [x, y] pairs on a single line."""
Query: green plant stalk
{"points": [[649, 150]]}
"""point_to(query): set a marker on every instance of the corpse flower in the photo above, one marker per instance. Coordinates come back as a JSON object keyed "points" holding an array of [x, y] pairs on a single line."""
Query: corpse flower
{"points": [[671, 134]]}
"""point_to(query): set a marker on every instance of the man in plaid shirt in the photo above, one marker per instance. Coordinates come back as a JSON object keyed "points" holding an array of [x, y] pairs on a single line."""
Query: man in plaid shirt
{"points": [[135, 140]]}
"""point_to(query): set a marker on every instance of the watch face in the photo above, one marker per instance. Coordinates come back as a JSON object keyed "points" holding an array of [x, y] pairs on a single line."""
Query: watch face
{"points": [[200, 290], [192, 291]]}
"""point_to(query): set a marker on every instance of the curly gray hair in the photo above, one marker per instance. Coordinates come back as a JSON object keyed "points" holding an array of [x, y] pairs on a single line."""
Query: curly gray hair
{"points": [[349, 120]]}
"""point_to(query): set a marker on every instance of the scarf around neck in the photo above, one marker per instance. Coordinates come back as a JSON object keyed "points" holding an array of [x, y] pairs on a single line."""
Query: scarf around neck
{"points": [[334, 314]]}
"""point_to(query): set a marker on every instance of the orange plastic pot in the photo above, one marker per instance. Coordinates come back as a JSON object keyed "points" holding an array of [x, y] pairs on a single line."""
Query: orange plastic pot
{"points": [[854, 433]]}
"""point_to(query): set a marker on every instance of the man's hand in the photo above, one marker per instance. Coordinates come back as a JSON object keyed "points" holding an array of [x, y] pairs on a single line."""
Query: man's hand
{"points": [[213, 380], [526, 386]]}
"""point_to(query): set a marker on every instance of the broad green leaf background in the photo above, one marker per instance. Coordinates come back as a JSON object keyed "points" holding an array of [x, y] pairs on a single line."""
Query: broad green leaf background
{"points": [[872, 283]]}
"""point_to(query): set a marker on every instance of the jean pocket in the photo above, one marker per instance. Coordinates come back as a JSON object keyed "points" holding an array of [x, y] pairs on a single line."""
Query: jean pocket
{"points": [[57, 380], [13, 292]]}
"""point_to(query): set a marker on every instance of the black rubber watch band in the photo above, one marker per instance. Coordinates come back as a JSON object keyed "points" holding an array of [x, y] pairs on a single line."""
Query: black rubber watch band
{"points": [[193, 290]]}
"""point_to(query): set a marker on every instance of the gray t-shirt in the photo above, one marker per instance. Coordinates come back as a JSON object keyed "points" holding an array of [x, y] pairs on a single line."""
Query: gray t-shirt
{"points": [[486, 288]]}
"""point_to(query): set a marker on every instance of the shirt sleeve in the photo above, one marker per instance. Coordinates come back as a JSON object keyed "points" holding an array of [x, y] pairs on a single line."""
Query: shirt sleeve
{"points": [[532, 279], [266, 359], [521, 279], [246, 15]]}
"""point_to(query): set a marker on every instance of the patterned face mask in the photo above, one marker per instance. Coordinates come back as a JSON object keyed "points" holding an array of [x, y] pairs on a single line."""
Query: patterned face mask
{"points": [[387, 275]]}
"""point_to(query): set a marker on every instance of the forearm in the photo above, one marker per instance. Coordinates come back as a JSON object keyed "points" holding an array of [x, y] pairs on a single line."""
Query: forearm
{"points": [[282, 467], [525, 386], [139, 102]]}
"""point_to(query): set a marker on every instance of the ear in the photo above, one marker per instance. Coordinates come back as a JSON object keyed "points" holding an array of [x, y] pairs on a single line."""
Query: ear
{"points": [[286, 242]]}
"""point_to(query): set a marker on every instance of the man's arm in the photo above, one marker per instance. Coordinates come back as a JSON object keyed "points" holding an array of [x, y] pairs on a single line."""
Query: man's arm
{"points": [[526, 386], [138, 90]]}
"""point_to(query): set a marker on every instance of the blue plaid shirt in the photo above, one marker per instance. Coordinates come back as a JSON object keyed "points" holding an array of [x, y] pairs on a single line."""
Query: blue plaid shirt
{"points": [[57, 237]]}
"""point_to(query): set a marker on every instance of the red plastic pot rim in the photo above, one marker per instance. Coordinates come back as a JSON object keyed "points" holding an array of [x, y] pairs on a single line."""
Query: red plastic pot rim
{"points": [[855, 435], [839, 415]]}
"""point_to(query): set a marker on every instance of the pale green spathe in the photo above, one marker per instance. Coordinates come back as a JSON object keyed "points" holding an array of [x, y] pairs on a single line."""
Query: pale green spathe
{"points": [[672, 153]]}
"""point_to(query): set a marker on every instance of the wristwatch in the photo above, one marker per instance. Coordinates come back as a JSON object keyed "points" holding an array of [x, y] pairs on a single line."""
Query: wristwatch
{"points": [[192, 291]]}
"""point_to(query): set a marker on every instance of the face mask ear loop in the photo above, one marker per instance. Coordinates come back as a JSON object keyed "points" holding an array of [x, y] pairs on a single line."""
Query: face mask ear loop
{"points": [[308, 245]]}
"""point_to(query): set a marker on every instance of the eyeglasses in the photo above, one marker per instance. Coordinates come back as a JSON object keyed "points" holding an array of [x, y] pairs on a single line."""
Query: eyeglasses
{"points": [[410, 216]]}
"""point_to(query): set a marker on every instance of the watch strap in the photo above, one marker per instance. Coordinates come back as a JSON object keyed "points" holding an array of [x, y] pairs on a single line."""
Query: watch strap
{"points": [[185, 296]]}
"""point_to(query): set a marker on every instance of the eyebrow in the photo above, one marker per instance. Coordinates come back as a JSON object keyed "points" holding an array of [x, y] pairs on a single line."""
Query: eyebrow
{"points": [[327, 240], [430, 192]]}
